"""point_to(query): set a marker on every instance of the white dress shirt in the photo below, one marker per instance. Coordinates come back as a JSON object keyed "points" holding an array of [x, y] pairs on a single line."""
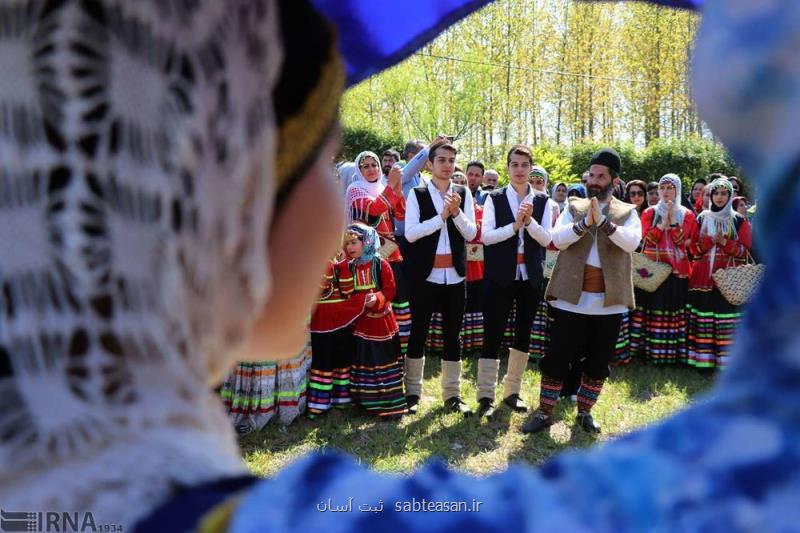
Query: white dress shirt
{"points": [[627, 236], [491, 234], [464, 221]]}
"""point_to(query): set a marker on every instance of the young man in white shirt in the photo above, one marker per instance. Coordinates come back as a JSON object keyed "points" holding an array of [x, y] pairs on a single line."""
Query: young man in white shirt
{"points": [[516, 231], [440, 219], [590, 289]]}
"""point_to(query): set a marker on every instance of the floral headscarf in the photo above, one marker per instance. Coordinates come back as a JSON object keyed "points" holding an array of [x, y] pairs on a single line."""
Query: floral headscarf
{"points": [[369, 237]]}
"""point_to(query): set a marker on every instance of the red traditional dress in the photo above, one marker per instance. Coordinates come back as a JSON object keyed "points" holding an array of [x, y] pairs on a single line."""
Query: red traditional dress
{"points": [[659, 323], [332, 342], [712, 319], [376, 375]]}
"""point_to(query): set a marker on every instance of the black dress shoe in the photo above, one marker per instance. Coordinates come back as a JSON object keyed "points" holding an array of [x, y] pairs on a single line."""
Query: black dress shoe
{"points": [[412, 403], [587, 423], [457, 405], [485, 407], [515, 403], [537, 422]]}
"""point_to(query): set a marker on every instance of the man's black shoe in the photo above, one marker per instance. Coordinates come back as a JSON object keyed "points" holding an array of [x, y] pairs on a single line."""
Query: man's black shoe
{"points": [[587, 423], [515, 403], [457, 405], [537, 422], [412, 403], [485, 407]]}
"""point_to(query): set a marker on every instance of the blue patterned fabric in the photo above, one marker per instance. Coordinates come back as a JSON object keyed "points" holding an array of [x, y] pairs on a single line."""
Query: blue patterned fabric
{"points": [[731, 462], [376, 34]]}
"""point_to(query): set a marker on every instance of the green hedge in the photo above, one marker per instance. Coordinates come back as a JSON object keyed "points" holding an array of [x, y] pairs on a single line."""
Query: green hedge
{"points": [[689, 158], [357, 140]]}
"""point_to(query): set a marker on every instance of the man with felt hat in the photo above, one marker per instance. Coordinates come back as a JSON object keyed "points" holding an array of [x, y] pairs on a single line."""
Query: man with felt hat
{"points": [[590, 289]]}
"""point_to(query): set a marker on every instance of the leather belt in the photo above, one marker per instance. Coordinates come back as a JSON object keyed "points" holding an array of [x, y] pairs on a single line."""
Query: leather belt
{"points": [[593, 279]]}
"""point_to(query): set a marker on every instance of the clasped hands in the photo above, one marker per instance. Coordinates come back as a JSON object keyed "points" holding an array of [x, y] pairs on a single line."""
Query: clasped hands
{"points": [[524, 215], [452, 205], [670, 217], [595, 215]]}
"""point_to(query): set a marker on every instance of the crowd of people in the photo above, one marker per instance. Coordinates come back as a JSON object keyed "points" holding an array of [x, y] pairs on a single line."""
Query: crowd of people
{"points": [[452, 265]]}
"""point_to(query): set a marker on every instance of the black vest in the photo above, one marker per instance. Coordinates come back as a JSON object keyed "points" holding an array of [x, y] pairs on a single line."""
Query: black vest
{"points": [[500, 259], [422, 252]]}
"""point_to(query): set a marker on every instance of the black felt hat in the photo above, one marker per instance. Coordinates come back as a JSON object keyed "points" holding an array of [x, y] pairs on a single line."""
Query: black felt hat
{"points": [[608, 157]]}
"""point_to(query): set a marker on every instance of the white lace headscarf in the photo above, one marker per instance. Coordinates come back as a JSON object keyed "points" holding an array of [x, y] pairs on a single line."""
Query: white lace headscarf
{"points": [[662, 209], [361, 188]]}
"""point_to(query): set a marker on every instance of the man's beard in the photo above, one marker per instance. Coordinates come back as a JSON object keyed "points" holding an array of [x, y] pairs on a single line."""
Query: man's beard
{"points": [[386, 170], [598, 192]]}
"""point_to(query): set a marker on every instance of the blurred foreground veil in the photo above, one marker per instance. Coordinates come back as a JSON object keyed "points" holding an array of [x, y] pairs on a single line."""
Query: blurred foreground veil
{"points": [[730, 462]]}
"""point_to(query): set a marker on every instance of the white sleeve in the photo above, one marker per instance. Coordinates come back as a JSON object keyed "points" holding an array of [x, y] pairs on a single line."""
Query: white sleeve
{"points": [[490, 234], [415, 230], [541, 232], [628, 235], [465, 221], [563, 234]]}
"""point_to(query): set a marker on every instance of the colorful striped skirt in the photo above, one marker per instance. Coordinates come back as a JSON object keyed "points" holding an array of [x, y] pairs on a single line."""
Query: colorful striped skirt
{"points": [[658, 324], [376, 377], [540, 331], [401, 305], [256, 392], [329, 381], [472, 329], [712, 325], [434, 344], [623, 355]]}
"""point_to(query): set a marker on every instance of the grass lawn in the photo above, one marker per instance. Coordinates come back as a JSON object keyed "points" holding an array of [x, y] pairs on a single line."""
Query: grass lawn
{"points": [[633, 397]]}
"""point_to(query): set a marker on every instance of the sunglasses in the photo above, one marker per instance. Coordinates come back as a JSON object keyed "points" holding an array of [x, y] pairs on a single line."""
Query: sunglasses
{"points": [[537, 180], [636, 193]]}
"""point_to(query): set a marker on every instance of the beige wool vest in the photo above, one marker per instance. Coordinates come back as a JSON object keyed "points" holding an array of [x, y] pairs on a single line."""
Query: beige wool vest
{"points": [[566, 282]]}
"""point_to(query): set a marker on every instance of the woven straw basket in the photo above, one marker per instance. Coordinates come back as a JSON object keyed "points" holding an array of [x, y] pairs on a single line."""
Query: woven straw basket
{"points": [[738, 283], [648, 275]]}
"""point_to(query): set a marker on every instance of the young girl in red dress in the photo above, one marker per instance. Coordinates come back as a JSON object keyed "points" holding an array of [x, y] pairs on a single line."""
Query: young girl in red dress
{"points": [[376, 373]]}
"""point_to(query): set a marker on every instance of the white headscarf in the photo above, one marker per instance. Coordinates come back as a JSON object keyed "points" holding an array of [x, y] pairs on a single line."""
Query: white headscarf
{"points": [[678, 210], [560, 205], [361, 188], [718, 220]]}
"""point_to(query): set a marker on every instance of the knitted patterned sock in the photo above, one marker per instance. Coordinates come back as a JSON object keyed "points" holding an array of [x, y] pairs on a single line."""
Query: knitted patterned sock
{"points": [[548, 396], [588, 393]]}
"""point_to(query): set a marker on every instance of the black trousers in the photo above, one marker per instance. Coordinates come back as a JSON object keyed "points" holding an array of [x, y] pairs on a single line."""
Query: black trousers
{"points": [[574, 335], [497, 306], [449, 300]]}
